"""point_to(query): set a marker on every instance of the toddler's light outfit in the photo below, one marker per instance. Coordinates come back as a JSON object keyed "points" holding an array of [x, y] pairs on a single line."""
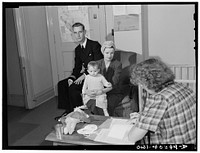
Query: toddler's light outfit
{"points": [[95, 83]]}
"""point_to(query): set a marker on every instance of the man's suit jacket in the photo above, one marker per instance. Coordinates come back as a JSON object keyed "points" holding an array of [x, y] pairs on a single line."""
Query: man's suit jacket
{"points": [[92, 52]]}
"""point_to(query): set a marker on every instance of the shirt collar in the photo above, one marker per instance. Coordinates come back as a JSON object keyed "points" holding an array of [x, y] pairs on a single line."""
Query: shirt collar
{"points": [[84, 43]]}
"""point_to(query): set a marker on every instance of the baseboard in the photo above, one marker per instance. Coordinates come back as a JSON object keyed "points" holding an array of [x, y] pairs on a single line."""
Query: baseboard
{"points": [[44, 96], [16, 100]]}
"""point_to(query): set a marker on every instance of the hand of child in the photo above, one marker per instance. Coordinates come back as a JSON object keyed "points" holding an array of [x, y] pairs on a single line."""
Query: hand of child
{"points": [[93, 91]]}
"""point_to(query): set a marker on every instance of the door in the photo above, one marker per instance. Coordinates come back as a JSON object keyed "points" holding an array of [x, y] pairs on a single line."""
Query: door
{"points": [[61, 41], [33, 46]]}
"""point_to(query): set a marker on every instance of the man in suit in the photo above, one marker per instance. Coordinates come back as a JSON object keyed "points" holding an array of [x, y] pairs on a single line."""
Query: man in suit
{"points": [[69, 90]]}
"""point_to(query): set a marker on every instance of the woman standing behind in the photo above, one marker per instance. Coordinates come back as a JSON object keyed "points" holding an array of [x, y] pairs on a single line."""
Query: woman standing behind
{"points": [[170, 111]]}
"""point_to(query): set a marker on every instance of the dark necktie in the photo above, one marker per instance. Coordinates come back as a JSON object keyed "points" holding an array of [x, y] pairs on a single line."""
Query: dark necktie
{"points": [[82, 48]]}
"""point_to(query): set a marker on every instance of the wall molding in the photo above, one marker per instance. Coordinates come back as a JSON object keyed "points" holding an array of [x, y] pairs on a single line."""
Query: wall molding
{"points": [[44, 96], [16, 100]]}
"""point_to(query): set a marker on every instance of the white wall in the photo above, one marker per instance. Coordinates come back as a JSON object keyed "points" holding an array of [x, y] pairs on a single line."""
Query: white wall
{"points": [[14, 82], [171, 33]]}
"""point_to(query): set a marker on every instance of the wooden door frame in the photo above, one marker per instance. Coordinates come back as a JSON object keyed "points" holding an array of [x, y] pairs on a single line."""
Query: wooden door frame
{"points": [[22, 47], [52, 47]]}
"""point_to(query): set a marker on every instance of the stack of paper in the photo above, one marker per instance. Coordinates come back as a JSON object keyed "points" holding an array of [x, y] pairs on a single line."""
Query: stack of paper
{"points": [[116, 133]]}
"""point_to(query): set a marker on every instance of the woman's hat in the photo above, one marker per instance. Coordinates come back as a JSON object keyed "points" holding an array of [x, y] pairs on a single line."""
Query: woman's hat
{"points": [[107, 44]]}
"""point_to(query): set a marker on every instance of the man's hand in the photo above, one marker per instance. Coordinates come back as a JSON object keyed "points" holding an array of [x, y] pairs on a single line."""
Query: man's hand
{"points": [[80, 79], [70, 81]]}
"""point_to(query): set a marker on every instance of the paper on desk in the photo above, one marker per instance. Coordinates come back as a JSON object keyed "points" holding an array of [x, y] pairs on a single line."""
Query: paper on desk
{"points": [[117, 133], [103, 137], [118, 128], [119, 121]]}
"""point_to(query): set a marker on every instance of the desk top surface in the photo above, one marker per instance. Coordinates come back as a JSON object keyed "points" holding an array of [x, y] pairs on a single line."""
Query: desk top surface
{"points": [[76, 138]]}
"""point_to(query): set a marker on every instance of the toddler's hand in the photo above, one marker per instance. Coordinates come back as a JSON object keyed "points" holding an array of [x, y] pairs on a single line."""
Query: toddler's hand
{"points": [[93, 91]]}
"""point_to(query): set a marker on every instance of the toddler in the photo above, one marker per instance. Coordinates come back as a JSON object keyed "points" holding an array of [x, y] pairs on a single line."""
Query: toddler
{"points": [[95, 83]]}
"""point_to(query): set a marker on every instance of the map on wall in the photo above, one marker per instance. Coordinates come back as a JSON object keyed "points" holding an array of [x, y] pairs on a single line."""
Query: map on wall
{"points": [[67, 16], [126, 22], [126, 17]]}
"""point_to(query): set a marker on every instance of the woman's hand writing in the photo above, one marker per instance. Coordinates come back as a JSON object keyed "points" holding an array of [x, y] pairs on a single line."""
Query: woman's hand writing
{"points": [[134, 117]]}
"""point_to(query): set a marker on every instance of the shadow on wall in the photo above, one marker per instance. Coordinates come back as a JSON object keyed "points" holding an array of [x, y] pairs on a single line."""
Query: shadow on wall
{"points": [[127, 59]]}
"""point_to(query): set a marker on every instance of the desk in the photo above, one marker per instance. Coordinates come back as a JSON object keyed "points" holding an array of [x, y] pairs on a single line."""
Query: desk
{"points": [[75, 138]]}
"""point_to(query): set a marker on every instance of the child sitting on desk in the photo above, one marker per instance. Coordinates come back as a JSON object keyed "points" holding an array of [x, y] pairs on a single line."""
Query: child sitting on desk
{"points": [[92, 88]]}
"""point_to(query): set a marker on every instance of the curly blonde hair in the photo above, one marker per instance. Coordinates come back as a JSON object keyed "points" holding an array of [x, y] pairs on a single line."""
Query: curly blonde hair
{"points": [[152, 73]]}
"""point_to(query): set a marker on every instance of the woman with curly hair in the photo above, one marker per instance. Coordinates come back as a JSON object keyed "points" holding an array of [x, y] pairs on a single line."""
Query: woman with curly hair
{"points": [[169, 114]]}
